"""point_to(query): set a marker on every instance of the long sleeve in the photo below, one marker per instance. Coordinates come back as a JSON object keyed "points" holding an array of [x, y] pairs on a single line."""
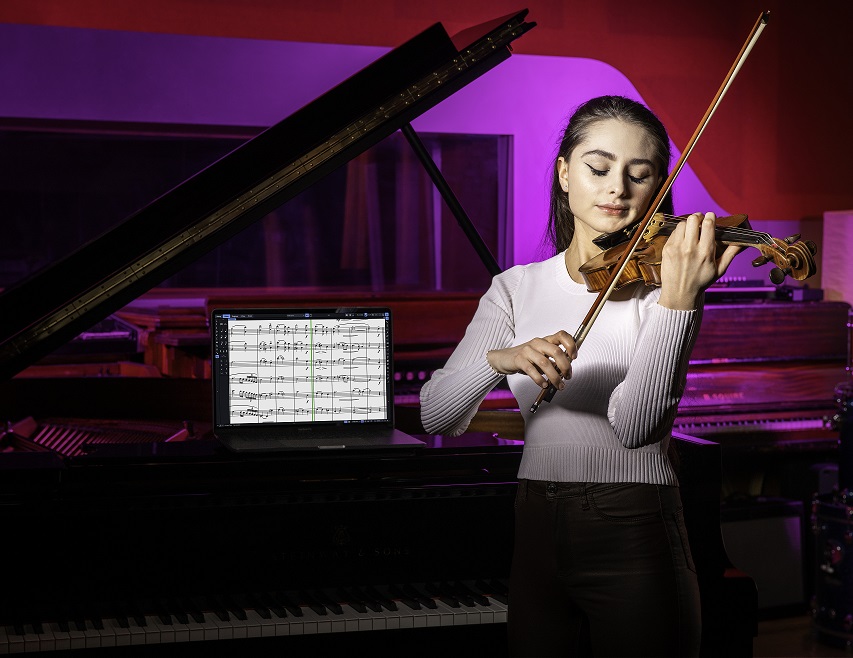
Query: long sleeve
{"points": [[453, 394], [643, 407]]}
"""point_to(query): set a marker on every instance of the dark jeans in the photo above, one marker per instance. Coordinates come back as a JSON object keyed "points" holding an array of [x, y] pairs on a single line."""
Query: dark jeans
{"points": [[602, 570]]}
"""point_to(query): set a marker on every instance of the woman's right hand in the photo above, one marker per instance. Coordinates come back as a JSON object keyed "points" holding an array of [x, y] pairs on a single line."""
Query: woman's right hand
{"points": [[547, 361]]}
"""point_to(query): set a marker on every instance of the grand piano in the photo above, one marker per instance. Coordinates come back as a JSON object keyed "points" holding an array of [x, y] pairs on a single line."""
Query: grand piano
{"points": [[127, 527]]}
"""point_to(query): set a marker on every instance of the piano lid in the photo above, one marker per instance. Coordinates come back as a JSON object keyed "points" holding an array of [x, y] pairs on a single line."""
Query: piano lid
{"points": [[55, 304]]}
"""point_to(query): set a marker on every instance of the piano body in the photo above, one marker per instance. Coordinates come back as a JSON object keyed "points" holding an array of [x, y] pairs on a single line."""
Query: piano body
{"points": [[126, 526]]}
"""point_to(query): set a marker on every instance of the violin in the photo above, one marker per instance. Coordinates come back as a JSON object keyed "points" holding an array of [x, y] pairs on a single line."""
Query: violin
{"points": [[791, 256], [645, 228]]}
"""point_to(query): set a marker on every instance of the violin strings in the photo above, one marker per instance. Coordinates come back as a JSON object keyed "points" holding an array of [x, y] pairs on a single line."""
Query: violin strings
{"points": [[735, 231]]}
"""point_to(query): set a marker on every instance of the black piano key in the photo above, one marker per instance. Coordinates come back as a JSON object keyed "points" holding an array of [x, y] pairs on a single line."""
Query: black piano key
{"points": [[175, 611], [161, 611], [256, 603], [325, 600], [383, 600], [192, 609], [494, 589], [216, 608], [406, 599], [435, 590], [370, 601], [459, 594], [267, 603], [421, 597], [352, 600], [18, 628], [286, 601], [238, 604], [203, 604], [309, 600], [477, 597]]}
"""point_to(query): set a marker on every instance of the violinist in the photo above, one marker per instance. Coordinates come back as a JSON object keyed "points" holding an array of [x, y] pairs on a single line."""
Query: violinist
{"points": [[601, 563]]}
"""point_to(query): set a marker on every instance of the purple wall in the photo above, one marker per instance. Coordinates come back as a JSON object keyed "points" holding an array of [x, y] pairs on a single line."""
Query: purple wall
{"points": [[83, 74]]}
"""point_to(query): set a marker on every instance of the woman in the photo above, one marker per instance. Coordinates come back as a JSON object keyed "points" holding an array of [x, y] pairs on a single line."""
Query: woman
{"points": [[601, 562]]}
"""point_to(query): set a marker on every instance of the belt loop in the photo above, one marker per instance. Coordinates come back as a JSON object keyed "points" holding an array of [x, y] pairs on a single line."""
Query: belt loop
{"points": [[585, 503], [522, 490]]}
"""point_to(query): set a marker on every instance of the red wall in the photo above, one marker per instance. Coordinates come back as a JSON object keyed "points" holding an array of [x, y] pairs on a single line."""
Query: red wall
{"points": [[779, 147]]}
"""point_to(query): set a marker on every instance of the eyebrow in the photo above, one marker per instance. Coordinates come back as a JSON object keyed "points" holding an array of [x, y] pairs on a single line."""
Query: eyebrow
{"points": [[609, 156]]}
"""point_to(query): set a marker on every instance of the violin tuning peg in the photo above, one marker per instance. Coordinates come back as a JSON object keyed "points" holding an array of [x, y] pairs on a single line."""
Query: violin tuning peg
{"points": [[793, 238], [778, 275], [761, 260]]}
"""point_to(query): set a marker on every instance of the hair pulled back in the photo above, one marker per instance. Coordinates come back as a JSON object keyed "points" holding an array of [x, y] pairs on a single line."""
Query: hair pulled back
{"points": [[561, 221]]}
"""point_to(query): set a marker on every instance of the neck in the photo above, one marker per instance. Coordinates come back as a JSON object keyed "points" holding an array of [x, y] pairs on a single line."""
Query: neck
{"points": [[577, 256]]}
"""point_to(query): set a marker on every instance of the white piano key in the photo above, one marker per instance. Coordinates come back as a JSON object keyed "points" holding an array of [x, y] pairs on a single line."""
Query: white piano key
{"points": [[447, 615], [156, 632], [487, 614], [226, 630], [78, 638], [209, 626], [255, 624], [386, 620], [61, 638], [347, 621], [44, 639], [137, 633], [500, 611], [6, 635], [120, 635], [181, 630], [238, 627], [31, 639], [92, 635], [197, 629], [312, 623], [287, 625], [107, 633]]}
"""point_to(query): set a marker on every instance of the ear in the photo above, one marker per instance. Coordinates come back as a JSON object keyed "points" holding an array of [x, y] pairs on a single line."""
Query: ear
{"points": [[563, 173]]}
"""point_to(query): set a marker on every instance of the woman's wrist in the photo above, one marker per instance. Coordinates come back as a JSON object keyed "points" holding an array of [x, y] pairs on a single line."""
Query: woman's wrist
{"points": [[491, 365]]}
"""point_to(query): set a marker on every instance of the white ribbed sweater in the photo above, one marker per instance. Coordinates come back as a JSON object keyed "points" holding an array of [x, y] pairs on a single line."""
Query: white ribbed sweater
{"points": [[612, 422]]}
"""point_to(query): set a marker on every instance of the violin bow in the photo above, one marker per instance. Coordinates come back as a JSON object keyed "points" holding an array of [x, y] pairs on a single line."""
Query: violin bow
{"points": [[547, 393]]}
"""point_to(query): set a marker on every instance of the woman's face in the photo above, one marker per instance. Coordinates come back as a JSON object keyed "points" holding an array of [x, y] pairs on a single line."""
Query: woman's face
{"points": [[610, 177]]}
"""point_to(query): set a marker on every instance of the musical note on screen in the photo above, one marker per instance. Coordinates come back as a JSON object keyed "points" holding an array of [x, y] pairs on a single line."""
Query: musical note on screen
{"points": [[306, 369]]}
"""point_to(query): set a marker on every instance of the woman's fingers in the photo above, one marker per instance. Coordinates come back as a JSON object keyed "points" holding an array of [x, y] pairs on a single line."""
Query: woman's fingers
{"points": [[547, 361]]}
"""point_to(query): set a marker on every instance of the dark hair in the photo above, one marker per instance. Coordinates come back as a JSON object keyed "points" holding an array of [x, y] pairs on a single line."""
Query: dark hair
{"points": [[561, 221]]}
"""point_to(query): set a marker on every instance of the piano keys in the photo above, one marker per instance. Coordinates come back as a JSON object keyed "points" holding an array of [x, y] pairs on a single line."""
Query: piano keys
{"points": [[371, 609]]}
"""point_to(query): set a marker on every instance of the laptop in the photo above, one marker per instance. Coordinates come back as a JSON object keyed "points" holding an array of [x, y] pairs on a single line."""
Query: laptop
{"points": [[304, 379]]}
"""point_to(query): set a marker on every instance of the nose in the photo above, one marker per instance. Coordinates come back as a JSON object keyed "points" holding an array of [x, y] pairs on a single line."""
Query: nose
{"points": [[618, 186]]}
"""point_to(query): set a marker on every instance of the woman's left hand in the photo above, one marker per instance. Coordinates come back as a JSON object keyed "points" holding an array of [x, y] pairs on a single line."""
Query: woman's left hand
{"points": [[690, 262]]}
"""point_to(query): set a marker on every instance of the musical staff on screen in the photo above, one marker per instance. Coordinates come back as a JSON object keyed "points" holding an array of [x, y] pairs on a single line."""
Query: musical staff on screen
{"points": [[307, 370]]}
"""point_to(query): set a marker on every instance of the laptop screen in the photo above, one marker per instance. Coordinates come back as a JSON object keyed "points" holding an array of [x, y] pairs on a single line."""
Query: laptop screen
{"points": [[296, 367]]}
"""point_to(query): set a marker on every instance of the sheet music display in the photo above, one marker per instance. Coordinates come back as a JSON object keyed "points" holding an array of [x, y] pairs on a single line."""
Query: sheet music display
{"points": [[314, 367]]}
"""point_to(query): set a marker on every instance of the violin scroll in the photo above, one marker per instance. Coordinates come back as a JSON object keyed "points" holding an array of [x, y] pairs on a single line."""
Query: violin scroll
{"points": [[791, 256]]}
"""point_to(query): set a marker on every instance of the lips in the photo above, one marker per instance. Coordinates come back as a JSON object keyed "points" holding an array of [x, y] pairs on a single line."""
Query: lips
{"points": [[614, 210]]}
